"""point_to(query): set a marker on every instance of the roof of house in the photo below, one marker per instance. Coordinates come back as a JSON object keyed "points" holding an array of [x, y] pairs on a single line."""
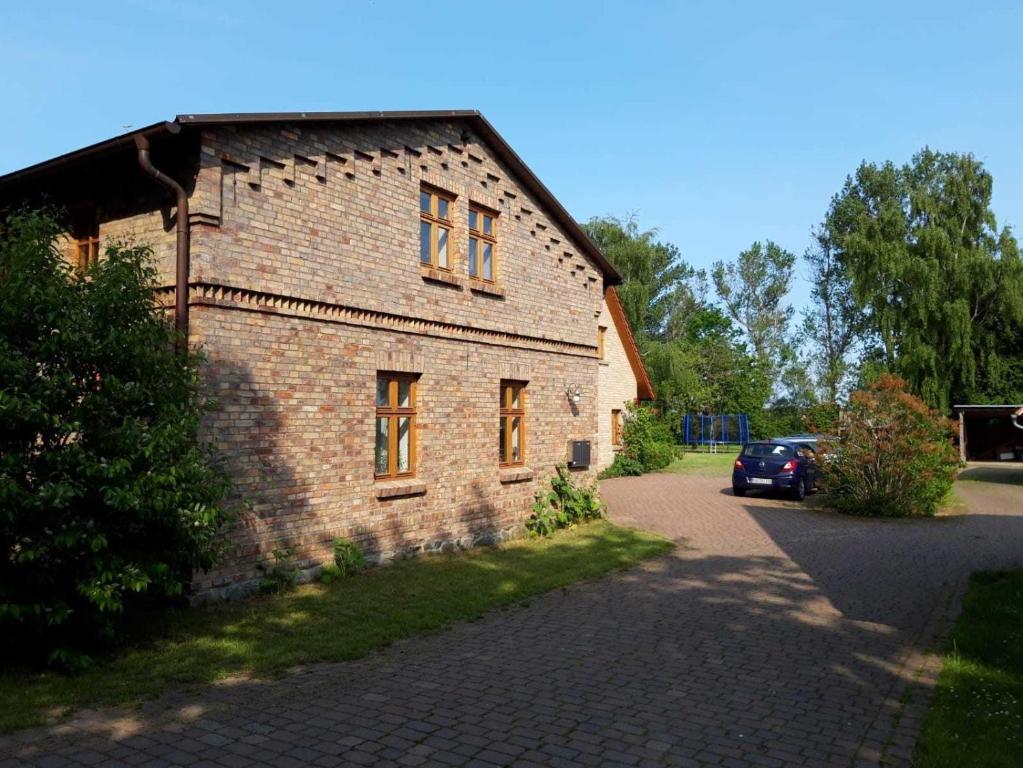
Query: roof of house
{"points": [[97, 152], [644, 389]]}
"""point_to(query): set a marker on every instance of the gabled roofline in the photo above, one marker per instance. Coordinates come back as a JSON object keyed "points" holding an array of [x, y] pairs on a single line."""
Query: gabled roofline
{"points": [[644, 389], [476, 120]]}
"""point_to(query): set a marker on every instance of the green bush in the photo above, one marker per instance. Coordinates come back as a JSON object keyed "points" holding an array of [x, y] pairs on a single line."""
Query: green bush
{"points": [[348, 561], [623, 466], [894, 457], [281, 575], [564, 505], [543, 521], [108, 502], [348, 557], [648, 439], [659, 455]]}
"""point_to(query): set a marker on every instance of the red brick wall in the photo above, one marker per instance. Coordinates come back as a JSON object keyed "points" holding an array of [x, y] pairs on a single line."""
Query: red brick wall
{"points": [[296, 420], [306, 282], [311, 284]]}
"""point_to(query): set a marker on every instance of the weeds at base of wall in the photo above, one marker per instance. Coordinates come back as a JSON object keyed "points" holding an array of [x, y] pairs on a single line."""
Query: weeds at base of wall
{"points": [[564, 505], [281, 575], [348, 561], [305, 571]]}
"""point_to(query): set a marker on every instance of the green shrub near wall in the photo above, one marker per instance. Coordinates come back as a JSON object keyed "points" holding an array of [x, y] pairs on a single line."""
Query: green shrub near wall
{"points": [[648, 438], [108, 502], [623, 466], [564, 505]]}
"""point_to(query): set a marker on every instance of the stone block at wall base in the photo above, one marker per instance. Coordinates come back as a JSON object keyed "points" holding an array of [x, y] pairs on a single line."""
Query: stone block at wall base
{"points": [[245, 588]]}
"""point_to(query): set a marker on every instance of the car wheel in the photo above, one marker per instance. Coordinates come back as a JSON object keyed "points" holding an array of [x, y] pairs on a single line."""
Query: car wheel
{"points": [[799, 493], [738, 491]]}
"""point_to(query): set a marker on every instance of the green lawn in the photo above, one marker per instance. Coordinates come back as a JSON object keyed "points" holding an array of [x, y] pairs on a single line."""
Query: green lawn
{"points": [[706, 464], [1008, 473], [346, 620], [976, 714]]}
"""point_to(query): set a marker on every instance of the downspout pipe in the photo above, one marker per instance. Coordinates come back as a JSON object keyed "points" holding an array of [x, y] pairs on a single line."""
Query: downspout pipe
{"points": [[183, 253]]}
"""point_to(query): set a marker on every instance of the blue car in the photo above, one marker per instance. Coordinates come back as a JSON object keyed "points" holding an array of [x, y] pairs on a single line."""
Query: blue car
{"points": [[776, 465]]}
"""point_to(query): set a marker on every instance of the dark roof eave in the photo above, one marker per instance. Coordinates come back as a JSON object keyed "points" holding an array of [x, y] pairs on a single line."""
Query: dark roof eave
{"points": [[86, 153]]}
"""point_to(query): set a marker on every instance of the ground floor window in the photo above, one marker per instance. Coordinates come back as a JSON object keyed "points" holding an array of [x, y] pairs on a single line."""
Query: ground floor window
{"points": [[616, 427], [395, 425], [512, 431]]}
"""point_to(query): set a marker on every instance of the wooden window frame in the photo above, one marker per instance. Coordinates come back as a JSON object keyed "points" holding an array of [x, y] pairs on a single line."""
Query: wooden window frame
{"points": [[86, 243], [616, 428], [393, 413], [507, 414], [436, 222], [480, 237], [86, 251], [601, 336]]}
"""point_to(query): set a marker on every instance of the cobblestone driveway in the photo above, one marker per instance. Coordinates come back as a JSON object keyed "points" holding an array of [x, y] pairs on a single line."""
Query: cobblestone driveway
{"points": [[774, 636]]}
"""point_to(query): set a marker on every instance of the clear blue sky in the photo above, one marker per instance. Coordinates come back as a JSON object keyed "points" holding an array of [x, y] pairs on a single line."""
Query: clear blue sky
{"points": [[717, 123]]}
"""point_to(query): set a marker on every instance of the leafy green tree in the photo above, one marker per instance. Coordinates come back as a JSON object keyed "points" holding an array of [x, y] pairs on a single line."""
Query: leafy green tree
{"points": [[108, 502], [1000, 375], [752, 289], [692, 349], [940, 284], [713, 375], [655, 278], [833, 323]]}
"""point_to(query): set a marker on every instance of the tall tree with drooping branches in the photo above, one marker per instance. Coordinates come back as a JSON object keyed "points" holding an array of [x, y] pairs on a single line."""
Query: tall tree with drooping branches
{"points": [[655, 278], [937, 279]]}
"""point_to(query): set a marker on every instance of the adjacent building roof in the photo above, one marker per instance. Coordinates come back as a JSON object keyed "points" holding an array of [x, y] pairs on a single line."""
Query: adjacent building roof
{"points": [[990, 409], [644, 389], [125, 142]]}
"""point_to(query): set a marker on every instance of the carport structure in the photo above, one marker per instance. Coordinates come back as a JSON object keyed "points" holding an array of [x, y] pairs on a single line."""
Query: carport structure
{"points": [[990, 432]]}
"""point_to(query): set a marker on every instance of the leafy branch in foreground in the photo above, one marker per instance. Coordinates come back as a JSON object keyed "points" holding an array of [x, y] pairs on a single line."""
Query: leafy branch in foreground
{"points": [[108, 501]]}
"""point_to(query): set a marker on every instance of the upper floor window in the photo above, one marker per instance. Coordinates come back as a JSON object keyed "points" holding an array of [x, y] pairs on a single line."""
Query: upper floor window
{"points": [[513, 423], [86, 248], [434, 227], [395, 426], [601, 333], [482, 244]]}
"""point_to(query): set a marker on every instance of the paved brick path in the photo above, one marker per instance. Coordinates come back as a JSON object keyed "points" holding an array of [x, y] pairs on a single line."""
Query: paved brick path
{"points": [[774, 636]]}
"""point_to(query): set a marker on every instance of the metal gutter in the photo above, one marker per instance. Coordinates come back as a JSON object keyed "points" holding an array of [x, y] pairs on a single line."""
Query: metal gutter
{"points": [[183, 254]]}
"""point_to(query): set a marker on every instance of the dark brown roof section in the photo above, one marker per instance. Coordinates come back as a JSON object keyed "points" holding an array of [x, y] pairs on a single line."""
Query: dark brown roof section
{"points": [[85, 154], [475, 120], [644, 389]]}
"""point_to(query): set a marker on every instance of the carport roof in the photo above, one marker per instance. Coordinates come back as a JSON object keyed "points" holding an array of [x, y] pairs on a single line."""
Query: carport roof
{"points": [[989, 409]]}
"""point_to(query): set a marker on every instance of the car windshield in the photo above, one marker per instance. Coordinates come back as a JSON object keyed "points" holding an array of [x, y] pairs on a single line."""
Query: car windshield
{"points": [[767, 450]]}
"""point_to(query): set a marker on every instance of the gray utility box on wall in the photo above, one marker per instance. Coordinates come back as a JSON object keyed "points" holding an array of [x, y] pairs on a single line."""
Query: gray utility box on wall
{"points": [[578, 453]]}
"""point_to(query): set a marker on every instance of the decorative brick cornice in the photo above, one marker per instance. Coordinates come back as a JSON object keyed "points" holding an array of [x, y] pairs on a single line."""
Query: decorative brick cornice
{"points": [[229, 297]]}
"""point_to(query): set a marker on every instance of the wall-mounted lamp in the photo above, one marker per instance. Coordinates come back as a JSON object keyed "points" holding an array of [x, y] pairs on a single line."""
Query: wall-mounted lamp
{"points": [[574, 393]]}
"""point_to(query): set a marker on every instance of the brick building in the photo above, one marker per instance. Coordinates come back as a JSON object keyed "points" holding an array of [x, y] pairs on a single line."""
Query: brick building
{"points": [[404, 328]]}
